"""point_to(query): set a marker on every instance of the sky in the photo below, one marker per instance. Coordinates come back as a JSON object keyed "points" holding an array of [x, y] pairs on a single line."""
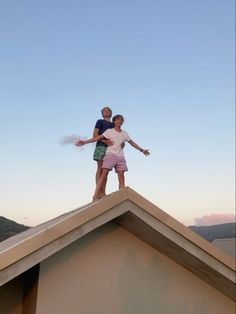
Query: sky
{"points": [[167, 66]]}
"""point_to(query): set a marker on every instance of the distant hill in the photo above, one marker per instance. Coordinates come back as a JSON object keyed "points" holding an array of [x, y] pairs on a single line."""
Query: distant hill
{"points": [[9, 228], [221, 231]]}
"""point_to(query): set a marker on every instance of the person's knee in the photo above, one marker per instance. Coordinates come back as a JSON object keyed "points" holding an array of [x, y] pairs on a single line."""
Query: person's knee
{"points": [[104, 173], [99, 165]]}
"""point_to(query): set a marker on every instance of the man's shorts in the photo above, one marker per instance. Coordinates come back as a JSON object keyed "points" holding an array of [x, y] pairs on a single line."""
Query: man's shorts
{"points": [[99, 152], [110, 161]]}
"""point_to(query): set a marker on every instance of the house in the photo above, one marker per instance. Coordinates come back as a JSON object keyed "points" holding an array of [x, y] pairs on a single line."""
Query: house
{"points": [[121, 254]]}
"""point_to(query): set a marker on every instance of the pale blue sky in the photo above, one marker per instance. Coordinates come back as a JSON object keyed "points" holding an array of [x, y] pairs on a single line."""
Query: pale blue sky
{"points": [[166, 65]]}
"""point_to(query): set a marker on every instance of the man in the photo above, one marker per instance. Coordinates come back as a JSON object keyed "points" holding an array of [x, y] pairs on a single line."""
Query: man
{"points": [[101, 146]]}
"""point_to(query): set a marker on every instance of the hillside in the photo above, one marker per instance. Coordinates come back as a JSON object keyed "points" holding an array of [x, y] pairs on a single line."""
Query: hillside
{"points": [[8, 228], [221, 231]]}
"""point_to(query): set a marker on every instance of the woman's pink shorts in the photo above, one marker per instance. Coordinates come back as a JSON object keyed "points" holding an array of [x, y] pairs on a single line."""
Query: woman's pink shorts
{"points": [[110, 161]]}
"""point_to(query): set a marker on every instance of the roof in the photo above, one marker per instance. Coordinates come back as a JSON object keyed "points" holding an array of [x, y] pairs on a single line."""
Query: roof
{"points": [[137, 215]]}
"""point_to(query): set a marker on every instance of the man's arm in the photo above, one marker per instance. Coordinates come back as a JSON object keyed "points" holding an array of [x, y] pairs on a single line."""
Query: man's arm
{"points": [[95, 132], [135, 145]]}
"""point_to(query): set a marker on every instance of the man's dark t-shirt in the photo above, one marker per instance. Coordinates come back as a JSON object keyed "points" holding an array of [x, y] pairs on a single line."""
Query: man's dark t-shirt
{"points": [[102, 125]]}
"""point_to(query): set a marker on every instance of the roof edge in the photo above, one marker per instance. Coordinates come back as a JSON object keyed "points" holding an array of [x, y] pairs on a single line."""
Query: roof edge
{"points": [[180, 228], [45, 236]]}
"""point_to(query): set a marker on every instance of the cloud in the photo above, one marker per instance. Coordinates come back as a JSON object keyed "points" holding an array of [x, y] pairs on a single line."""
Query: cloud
{"points": [[214, 219], [70, 139]]}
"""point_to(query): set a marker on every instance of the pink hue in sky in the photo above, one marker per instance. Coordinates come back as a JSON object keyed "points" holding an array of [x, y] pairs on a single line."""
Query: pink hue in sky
{"points": [[214, 219]]}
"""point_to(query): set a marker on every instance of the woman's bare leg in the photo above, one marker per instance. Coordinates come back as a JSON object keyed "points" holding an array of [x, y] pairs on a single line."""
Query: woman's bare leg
{"points": [[121, 179]]}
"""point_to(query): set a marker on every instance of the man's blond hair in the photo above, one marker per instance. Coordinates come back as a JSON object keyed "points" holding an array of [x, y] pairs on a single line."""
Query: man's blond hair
{"points": [[108, 109]]}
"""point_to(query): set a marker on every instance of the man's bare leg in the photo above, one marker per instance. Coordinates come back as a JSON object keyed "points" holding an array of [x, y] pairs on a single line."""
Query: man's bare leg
{"points": [[102, 178], [102, 191], [99, 170]]}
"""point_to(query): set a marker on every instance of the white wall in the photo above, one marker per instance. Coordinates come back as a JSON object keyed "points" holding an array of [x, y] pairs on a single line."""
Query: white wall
{"points": [[110, 271]]}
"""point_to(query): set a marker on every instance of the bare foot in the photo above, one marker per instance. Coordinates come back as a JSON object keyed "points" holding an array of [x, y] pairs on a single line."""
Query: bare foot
{"points": [[101, 196]]}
